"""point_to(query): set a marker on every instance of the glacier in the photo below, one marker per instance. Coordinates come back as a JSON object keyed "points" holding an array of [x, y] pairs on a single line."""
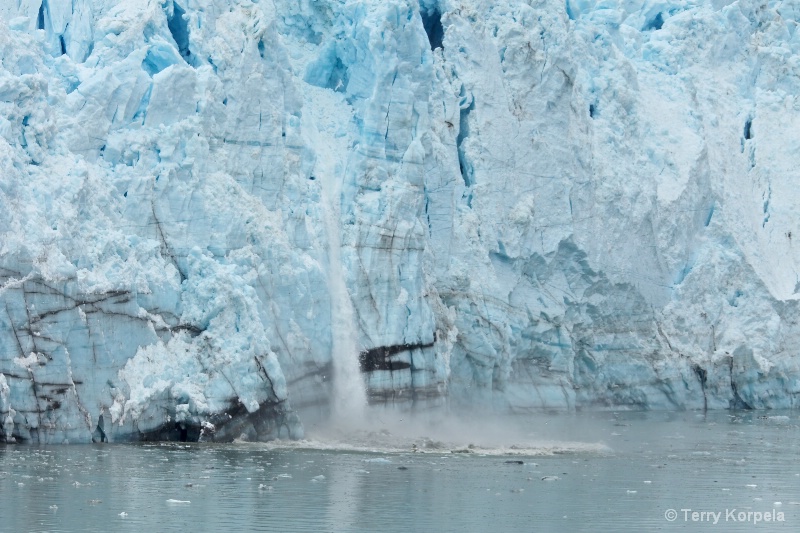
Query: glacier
{"points": [[219, 216]]}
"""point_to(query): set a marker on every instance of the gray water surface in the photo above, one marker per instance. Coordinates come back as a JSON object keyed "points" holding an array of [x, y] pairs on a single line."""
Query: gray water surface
{"points": [[585, 472]]}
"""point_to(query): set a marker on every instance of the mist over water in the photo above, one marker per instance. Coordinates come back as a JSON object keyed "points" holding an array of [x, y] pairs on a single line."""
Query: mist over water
{"points": [[393, 430]]}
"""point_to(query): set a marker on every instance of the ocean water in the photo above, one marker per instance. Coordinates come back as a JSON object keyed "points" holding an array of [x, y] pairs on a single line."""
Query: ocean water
{"points": [[580, 472]]}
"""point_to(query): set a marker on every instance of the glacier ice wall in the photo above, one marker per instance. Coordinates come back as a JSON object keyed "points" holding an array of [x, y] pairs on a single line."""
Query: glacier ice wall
{"points": [[531, 204]]}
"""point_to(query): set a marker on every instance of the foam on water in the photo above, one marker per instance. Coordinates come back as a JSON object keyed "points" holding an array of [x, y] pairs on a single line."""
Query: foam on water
{"points": [[531, 449]]}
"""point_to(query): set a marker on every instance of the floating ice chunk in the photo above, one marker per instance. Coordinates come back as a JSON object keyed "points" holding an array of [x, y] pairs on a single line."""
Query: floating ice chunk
{"points": [[178, 501], [550, 478], [318, 478], [123, 514]]}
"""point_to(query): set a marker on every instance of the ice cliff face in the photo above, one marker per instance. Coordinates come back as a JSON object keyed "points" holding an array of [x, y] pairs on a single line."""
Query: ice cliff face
{"points": [[501, 205]]}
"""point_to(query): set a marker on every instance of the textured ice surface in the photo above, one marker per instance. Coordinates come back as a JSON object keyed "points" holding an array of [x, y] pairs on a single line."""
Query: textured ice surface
{"points": [[533, 205]]}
